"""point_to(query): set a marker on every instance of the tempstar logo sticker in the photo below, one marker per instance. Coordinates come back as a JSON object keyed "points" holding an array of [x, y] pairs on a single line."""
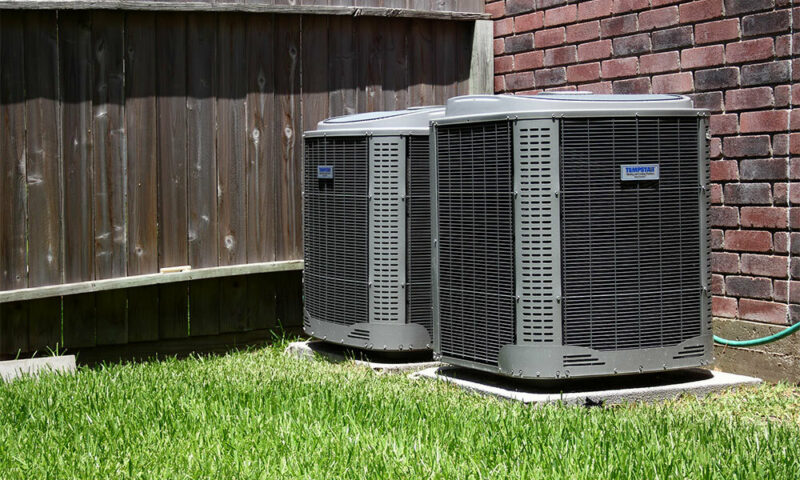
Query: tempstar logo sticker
{"points": [[638, 172]]}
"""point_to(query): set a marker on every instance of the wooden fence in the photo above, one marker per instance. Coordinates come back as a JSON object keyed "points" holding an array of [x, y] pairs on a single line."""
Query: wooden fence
{"points": [[133, 141]]}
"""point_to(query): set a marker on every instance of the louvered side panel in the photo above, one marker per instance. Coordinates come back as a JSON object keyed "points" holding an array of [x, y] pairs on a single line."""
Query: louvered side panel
{"points": [[631, 262], [537, 231], [336, 231], [476, 240], [387, 226], [418, 261]]}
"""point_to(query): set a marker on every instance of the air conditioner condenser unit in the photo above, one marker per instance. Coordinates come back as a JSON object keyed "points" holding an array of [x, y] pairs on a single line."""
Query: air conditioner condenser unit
{"points": [[367, 243], [570, 234]]}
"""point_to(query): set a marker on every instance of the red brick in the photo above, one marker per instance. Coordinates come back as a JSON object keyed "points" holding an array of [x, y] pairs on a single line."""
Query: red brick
{"points": [[632, 85], [723, 217], [503, 27], [748, 98], [529, 60], [795, 94], [766, 73], [794, 120], [787, 291], [717, 284], [711, 101], [724, 307], [561, 15], [673, 83], [519, 81], [724, 124], [714, 32], [783, 45], [762, 311], [503, 64], [736, 7], [594, 50], [764, 121], [780, 144], [794, 218], [499, 84], [724, 170], [515, 7], [794, 144], [724, 262], [748, 241], [702, 57], [780, 193], [614, 26], [673, 38], [496, 9], [750, 287], [715, 149], [764, 217], [551, 77], [587, 72], [716, 194], [782, 96], [764, 169], [620, 67], [632, 45], [659, 3], [519, 43], [717, 239], [659, 62], [794, 168], [659, 18], [560, 56], [749, 50], [716, 78], [599, 87], [765, 265], [582, 32], [528, 22], [594, 9], [756, 146], [766, 23], [499, 46], [748, 194], [780, 242], [622, 6], [795, 268], [549, 37], [701, 10]]}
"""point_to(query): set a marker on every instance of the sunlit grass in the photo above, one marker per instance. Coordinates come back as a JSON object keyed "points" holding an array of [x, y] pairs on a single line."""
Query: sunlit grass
{"points": [[259, 414]]}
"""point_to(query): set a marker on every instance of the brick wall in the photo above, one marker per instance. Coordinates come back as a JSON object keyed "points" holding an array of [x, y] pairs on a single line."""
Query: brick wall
{"points": [[737, 58]]}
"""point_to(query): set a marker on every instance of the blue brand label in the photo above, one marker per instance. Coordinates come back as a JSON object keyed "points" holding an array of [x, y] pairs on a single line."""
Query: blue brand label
{"points": [[325, 172], [638, 172]]}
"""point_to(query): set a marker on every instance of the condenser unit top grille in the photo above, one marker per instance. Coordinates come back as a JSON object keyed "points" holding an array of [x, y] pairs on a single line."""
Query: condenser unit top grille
{"points": [[415, 121]]}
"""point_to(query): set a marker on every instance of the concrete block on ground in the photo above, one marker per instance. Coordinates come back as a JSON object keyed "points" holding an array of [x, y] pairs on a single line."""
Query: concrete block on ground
{"points": [[399, 362], [591, 392], [13, 369]]}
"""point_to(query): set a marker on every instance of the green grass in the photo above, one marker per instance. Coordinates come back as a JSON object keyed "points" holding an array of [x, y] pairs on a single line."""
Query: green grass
{"points": [[258, 414]]}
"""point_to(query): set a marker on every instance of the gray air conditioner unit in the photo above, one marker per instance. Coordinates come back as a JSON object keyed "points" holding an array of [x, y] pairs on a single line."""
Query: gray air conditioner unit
{"points": [[366, 200], [570, 234]]}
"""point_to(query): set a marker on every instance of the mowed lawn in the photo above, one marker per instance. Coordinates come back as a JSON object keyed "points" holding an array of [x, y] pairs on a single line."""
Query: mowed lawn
{"points": [[258, 414]]}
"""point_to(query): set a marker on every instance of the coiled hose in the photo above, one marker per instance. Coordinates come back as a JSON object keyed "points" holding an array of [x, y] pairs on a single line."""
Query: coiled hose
{"points": [[758, 341]]}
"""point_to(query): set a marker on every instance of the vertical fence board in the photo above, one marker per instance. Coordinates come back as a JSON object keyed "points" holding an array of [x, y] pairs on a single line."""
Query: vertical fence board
{"points": [[108, 139], [422, 64], [371, 44], [13, 268], [204, 307], [75, 45], [288, 136], [173, 310], [44, 324], [261, 301], [314, 55], [342, 70], [143, 314], [463, 46], [140, 114], [395, 68], [233, 304], [289, 299], [261, 172], [112, 317], [43, 172], [445, 60], [13, 328], [79, 321]]}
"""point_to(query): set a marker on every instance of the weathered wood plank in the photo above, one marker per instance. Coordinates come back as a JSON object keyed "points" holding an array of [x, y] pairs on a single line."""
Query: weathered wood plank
{"points": [[75, 55], [445, 62], [42, 146], [111, 311], [289, 300], [316, 80], [13, 328], [395, 72], [171, 142], [231, 140], [173, 310], [261, 167], [422, 64], [140, 112], [142, 314], [44, 325], [108, 138], [261, 301], [481, 70], [463, 55], [147, 280], [342, 68], [204, 307], [288, 138], [233, 305], [79, 321], [13, 268], [201, 140], [371, 45]]}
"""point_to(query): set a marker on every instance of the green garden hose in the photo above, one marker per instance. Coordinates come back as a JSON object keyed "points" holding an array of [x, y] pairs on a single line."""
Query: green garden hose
{"points": [[758, 341]]}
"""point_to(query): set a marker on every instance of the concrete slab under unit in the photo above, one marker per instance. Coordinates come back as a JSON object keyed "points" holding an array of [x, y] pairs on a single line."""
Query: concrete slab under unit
{"points": [[396, 362], [13, 369], [595, 391]]}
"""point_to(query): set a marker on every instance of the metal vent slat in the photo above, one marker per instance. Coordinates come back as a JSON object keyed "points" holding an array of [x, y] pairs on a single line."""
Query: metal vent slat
{"points": [[631, 273], [418, 201], [335, 238], [476, 240]]}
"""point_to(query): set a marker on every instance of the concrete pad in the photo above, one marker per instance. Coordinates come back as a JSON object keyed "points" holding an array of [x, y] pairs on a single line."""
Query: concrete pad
{"points": [[13, 369], [592, 392], [382, 362]]}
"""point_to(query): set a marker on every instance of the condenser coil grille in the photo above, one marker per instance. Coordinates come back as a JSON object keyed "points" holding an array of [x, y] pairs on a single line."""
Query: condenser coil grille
{"points": [[336, 236], [631, 274], [418, 198], [476, 240]]}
